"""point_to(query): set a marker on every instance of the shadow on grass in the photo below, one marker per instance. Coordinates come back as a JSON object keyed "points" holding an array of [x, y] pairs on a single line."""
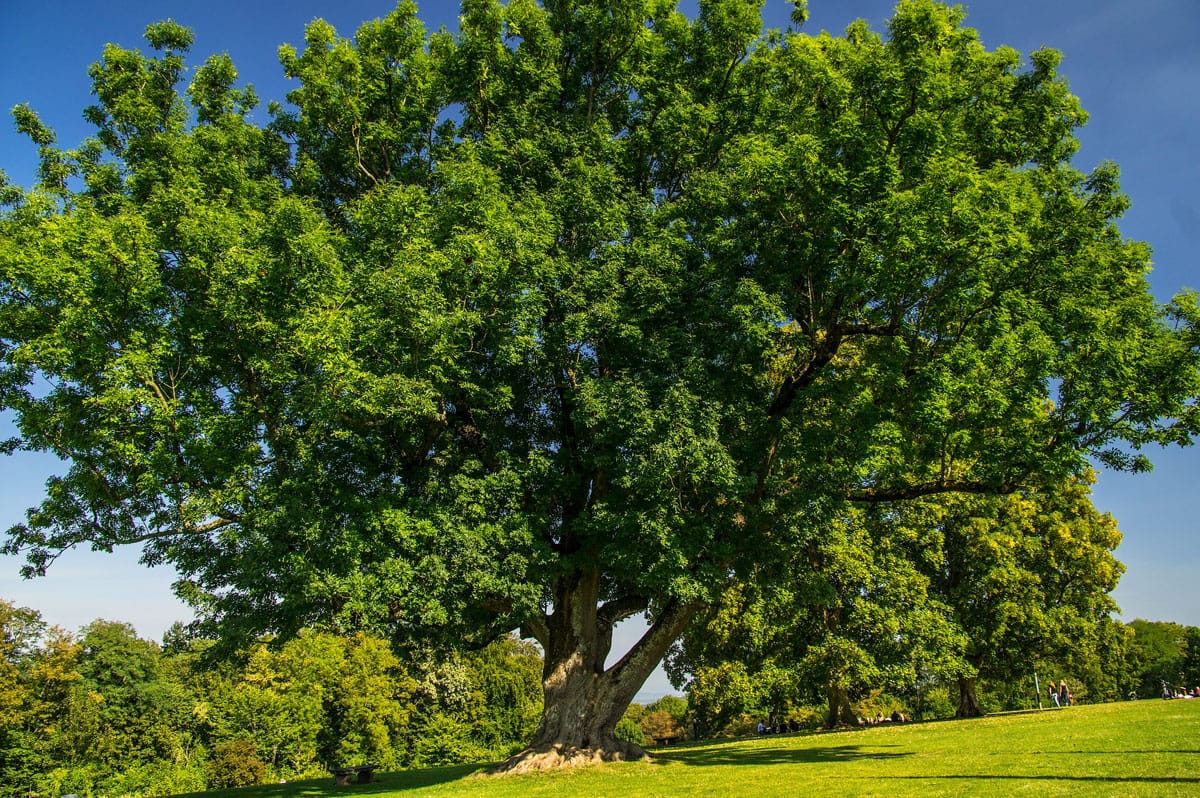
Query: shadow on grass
{"points": [[325, 788], [705, 757]]}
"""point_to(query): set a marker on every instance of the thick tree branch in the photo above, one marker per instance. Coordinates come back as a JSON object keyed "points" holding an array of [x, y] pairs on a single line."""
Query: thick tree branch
{"points": [[538, 630], [607, 617], [793, 384], [617, 610], [197, 529], [916, 491], [628, 674]]}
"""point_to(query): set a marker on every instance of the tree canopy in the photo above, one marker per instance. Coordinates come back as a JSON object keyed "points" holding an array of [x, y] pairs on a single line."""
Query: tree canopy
{"points": [[575, 314]]}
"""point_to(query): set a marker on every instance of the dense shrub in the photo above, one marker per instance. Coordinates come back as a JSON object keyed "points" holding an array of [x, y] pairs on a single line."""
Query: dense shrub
{"points": [[936, 703], [660, 723], [630, 731], [235, 764]]}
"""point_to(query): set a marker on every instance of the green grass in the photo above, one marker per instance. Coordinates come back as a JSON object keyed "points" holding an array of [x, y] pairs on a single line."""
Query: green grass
{"points": [[1142, 748]]}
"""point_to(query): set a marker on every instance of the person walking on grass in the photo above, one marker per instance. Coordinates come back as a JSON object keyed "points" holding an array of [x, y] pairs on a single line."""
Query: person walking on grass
{"points": [[1053, 693], [1064, 695]]}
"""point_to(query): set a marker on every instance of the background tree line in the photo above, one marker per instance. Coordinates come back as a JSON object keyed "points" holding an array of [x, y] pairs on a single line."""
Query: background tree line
{"points": [[943, 606], [938, 607], [105, 712], [1123, 660]]}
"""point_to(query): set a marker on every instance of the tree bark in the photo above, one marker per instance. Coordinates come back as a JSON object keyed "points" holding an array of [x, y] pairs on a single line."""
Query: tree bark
{"points": [[968, 701], [583, 699], [839, 713]]}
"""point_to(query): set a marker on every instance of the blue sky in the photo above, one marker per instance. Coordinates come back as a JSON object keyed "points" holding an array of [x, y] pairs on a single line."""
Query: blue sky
{"points": [[1136, 68]]}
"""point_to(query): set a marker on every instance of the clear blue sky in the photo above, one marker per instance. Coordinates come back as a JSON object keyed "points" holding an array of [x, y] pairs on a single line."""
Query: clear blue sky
{"points": [[1136, 67]]}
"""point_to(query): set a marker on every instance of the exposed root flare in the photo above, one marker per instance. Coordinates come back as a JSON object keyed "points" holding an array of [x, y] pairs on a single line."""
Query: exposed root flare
{"points": [[553, 757]]}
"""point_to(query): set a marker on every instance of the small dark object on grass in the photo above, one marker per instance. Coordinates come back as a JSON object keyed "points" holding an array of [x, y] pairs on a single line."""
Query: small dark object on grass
{"points": [[341, 776]]}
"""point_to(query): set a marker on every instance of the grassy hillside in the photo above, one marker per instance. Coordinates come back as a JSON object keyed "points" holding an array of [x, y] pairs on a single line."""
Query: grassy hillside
{"points": [[1148, 747]]}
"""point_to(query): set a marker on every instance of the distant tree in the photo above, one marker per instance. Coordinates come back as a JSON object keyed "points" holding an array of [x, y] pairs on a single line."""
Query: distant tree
{"points": [[64, 705], [850, 613], [658, 723], [371, 703], [629, 728], [719, 694], [283, 717], [575, 315], [1101, 665], [1191, 657], [1028, 578], [21, 631], [1158, 653], [140, 713]]}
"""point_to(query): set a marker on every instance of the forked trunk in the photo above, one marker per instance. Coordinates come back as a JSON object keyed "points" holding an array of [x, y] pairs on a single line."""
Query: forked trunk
{"points": [[839, 713], [968, 701], [584, 700]]}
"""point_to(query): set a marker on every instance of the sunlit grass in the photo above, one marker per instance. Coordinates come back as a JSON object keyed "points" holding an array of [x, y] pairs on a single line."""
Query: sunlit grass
{"points": [[1141, 748]]}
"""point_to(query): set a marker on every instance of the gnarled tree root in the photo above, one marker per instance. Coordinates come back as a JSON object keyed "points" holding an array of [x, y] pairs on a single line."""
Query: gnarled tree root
{"points": [[555, 756]]}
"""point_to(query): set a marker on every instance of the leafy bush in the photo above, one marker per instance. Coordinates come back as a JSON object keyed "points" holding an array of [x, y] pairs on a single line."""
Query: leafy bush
{"points": [[80, 780], [937, 703], [157, 778], [719, 695], [741, 726], [661, 723], [630, 731], [235, 764], [442, 739]]}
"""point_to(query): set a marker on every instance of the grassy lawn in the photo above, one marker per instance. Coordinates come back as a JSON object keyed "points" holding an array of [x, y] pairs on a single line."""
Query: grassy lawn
{"points": [[1149, 747]]}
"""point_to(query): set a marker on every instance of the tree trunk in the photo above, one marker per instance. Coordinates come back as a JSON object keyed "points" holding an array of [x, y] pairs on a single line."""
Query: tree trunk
{"points": [[584, 700], [839, 712], [968, 702]]}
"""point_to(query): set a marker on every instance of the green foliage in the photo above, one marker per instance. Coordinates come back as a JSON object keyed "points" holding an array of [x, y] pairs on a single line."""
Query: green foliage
{"points": [[669, 716], [717, 695], [942, 589], [235, 764], [20, 631], [158, 778], [1191, 657], [673, 705], [807, 718], [1159, 653], [853, 614], [630, 730], [877, 705], [125, 710], [506, 693], [936, 703], [660, 723], [113, 714]]}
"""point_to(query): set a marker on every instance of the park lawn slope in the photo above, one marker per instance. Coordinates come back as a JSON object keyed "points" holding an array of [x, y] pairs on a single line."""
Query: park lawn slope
{"points": [[1140, 748]]}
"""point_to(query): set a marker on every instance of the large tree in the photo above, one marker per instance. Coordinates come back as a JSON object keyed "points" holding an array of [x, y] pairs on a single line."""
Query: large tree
{"points": [[568, 317]]}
